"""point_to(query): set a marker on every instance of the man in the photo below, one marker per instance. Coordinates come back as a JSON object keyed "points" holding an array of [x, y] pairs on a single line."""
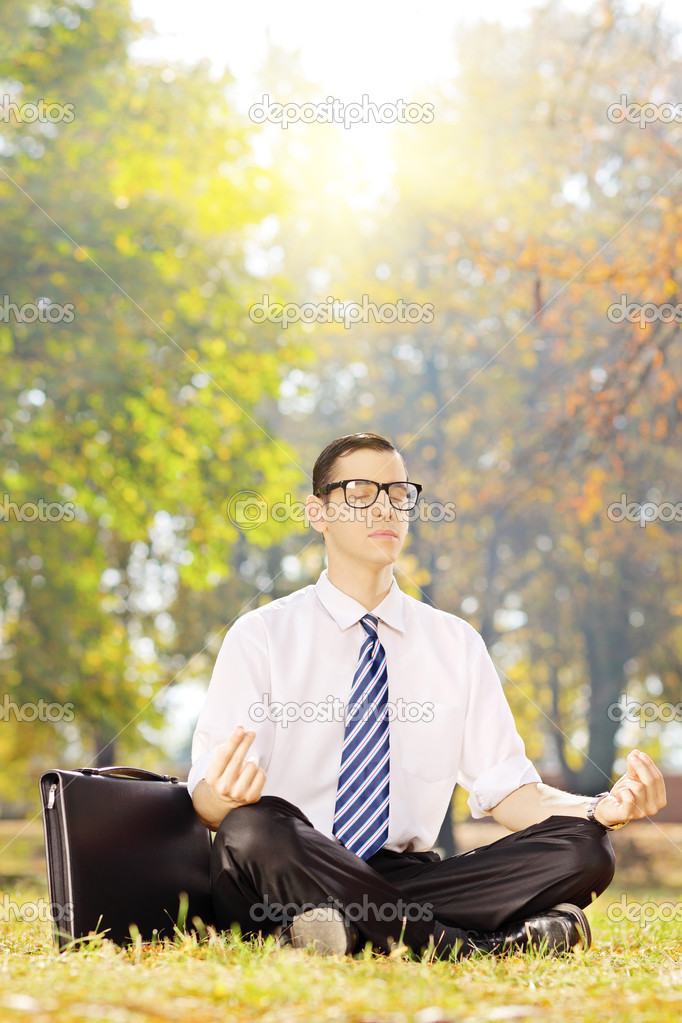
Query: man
{"points": [[338, 720]]}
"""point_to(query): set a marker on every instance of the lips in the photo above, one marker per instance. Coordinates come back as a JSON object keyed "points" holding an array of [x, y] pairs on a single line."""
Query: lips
{"points": [[385, 532]]}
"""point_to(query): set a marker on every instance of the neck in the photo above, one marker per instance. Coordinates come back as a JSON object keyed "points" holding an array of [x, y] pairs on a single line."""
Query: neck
{"points": [[368, 584]]}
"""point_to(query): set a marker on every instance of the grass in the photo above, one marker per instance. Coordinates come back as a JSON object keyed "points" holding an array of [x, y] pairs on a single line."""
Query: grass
{"points": [[630, 973]]}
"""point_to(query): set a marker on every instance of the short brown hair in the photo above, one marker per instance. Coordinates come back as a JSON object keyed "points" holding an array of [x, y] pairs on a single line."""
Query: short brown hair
{"points": [[322, 471]]}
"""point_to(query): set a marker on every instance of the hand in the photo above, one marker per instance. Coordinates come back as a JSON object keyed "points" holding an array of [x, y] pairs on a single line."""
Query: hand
{"points": [[640, 792], [227, 778]]}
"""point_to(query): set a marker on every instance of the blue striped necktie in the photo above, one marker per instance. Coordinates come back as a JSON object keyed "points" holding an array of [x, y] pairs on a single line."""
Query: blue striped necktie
{"points": [[361, 813]]}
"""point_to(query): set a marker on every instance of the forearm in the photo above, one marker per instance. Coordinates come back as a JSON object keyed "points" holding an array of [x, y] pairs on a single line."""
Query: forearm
{"points": [[211, 809], [535, 802]]}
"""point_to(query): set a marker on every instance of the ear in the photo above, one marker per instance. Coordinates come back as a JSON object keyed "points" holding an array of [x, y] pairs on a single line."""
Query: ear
{"points": [[314, 510]]}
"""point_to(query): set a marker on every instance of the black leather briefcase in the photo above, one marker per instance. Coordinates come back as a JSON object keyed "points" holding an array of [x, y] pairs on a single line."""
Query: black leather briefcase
{"points": [[122, 845]]}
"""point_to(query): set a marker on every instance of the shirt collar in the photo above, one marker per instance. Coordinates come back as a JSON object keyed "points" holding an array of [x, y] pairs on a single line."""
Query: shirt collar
{"points": [[346, 610]]}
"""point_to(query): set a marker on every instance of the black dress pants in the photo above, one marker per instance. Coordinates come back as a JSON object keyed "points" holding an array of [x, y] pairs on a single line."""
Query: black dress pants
{"points": [[268, 863]]}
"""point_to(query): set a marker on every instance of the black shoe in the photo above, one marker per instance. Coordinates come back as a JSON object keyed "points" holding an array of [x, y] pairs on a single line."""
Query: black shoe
{"points": [[560, 929], [324, 928]]}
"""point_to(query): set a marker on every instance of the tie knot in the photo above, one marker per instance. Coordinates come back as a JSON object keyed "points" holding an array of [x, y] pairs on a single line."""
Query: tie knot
{"points": [[370, 624]]}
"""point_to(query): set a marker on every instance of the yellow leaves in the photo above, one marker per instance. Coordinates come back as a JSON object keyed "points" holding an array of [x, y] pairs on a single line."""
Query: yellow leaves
{"points": [[660, 427], [6, 341], [428, 402], [92, 660], [215, 348], [124, 244], [590, 503], [573, 402], [80, 254], [667, 385], [466, 500]]}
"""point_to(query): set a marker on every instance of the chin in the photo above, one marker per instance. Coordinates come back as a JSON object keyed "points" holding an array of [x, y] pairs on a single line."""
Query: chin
{"points": [[384, 558]]}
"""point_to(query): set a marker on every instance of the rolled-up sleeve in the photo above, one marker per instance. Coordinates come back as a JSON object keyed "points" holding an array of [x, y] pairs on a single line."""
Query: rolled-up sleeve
{"points": [[494, 761], [238, 694]]}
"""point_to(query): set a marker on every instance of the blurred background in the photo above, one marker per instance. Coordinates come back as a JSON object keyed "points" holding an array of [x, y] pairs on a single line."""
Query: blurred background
{"points": [[151, 418]]}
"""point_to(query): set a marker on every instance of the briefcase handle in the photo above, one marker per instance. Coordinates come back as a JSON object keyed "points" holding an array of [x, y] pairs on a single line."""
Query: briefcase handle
{"points": [[130, 772]]}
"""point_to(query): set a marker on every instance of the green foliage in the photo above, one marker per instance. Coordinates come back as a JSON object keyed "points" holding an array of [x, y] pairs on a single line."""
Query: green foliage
{"points": [[151, 401]]}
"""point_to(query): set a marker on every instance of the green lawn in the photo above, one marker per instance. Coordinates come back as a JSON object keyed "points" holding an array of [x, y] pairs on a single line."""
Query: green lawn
{"points": [[630, 973]]}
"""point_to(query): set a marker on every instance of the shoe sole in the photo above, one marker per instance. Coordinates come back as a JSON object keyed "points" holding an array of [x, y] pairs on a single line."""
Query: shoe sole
{"points": [[327, 934]]}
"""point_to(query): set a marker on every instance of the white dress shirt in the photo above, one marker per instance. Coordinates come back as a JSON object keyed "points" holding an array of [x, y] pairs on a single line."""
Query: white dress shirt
{"points": [[285, 670]]}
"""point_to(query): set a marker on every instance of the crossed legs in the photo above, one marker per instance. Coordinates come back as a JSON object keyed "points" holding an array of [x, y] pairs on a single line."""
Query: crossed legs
{"points": [[269, 862]]}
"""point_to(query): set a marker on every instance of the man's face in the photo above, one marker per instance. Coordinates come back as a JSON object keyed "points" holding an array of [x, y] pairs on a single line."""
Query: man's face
{"points": [[374, 535]]}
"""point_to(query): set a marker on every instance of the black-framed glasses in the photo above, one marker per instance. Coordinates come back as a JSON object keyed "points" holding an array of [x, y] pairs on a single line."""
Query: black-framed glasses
{"points": [[402, 494]]}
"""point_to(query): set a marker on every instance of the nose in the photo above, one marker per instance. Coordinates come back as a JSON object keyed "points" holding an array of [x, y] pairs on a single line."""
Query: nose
{"points": [[382, 507]]}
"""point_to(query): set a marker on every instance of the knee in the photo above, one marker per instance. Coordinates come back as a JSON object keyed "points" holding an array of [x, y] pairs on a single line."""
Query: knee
{"points": [[605, 860], [595, 859], [254, 833]]}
